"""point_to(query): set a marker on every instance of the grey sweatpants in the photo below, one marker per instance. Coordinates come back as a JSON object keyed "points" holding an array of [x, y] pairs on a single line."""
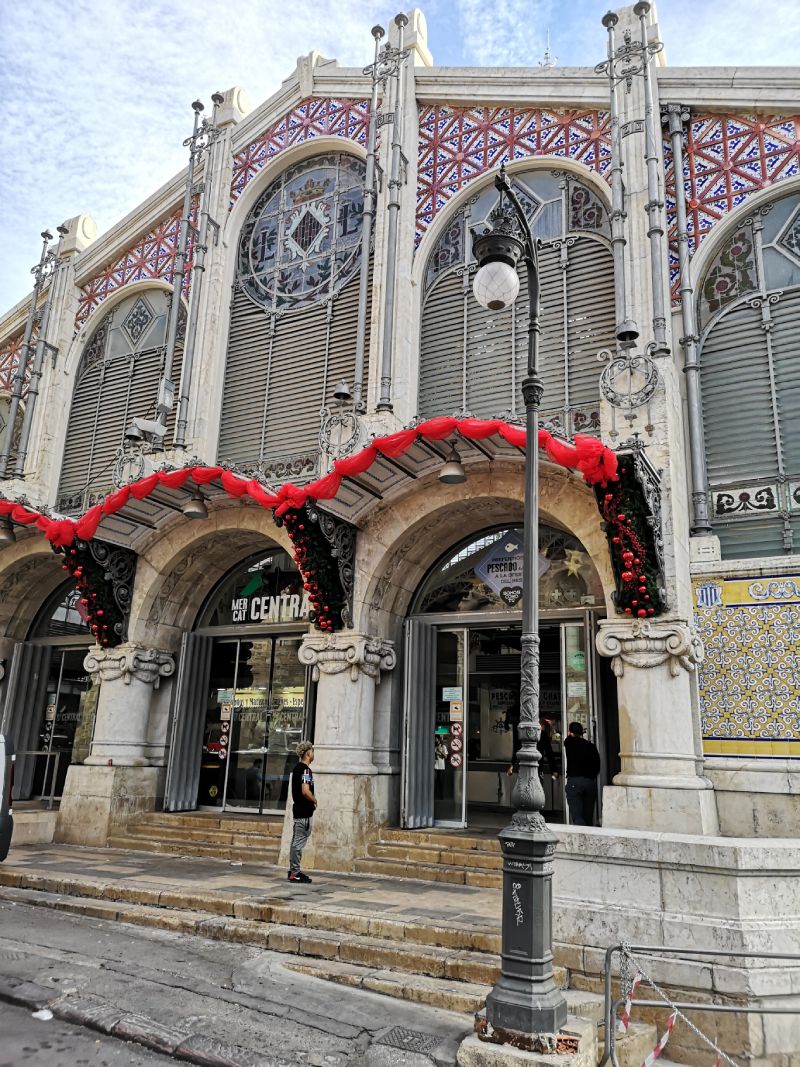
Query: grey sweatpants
{"points": [[300, 835]]}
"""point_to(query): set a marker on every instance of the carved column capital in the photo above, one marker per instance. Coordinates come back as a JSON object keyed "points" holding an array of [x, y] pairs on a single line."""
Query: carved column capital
{"points": [[647, 643], [354, 652], [128, 661]]}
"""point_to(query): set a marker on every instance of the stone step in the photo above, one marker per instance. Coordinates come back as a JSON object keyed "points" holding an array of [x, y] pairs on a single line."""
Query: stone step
{"points": [[244, 854], [266, 824], [430, 872], [633, 1047], [465, 997], [441, 839], [453, 965], [201, 835], [441, 933], [433, 854]]}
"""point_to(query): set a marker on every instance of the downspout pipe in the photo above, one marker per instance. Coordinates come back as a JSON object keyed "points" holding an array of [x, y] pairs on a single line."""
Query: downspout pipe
{"points": [[370, 197], [40, 273], [677, 115], [655, 201], [198, 274], [180, 262], [385, 401], [610, 20], [36, 369]]}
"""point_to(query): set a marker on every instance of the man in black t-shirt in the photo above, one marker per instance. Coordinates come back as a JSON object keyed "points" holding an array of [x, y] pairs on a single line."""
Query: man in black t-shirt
{"points": [[304, 804], [583, 767]]}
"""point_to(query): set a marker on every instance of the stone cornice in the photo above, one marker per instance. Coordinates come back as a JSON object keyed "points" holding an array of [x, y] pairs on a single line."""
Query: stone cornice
{"points": [[723, 89], [353, 652], [147, 665], [577, 87], [647, 643]]}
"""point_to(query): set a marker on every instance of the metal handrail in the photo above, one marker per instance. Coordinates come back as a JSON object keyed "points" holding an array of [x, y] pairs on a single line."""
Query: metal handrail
{"points": [[611, 1006], [51, 754]]}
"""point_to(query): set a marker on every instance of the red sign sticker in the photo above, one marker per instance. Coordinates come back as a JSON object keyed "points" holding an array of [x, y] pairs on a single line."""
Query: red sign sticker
{"points": [[456, 728], [456, 744], [455, 759]]}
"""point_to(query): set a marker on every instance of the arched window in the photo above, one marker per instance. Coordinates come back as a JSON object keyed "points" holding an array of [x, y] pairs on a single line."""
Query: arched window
{"points": [[117, 380], [749, 302], [294, 314], [484, 573], [473, 360]]}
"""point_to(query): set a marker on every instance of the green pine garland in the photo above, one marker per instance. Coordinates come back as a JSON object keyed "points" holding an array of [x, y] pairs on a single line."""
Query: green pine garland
{"points": [[318, 568]]}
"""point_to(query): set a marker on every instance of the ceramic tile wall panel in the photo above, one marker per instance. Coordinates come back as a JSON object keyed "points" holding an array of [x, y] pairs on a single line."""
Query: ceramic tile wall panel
{"points": [[750, 678]]}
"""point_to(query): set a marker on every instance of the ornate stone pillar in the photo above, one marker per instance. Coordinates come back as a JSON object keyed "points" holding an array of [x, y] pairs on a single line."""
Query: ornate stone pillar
{"points": [[352, 795], [658, 787], [116, 781], [127, 676]]}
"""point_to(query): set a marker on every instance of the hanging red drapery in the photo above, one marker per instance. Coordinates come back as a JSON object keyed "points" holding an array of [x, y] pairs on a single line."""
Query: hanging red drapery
{"points": [[597, 464]]}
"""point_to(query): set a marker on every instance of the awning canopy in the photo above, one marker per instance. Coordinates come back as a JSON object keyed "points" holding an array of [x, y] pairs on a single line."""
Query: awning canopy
{"points": [[382, 470]]}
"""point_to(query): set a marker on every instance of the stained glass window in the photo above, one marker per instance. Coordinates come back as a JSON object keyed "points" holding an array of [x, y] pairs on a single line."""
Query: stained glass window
{"points": [[548, 199], [302, 240]]}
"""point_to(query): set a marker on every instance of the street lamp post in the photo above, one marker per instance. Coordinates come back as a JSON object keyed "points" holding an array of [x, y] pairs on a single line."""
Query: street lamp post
{"points": [[525, 999]]}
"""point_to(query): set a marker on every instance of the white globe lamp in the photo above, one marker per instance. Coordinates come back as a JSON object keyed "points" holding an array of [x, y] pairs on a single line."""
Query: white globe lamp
{"points": [[497, 251], [496, 285]]}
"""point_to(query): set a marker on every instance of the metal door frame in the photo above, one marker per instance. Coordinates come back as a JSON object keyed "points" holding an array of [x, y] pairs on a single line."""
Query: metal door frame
{"points": [[587, 617]]}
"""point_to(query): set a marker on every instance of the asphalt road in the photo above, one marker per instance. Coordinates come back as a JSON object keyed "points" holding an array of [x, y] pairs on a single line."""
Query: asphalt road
{"points": [[237, 996]]}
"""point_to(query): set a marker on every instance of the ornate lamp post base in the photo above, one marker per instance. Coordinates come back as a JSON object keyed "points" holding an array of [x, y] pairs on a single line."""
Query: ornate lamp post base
{"points": [[526, 999]]}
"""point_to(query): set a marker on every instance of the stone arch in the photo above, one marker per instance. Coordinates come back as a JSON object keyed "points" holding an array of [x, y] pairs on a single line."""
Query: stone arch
{"points": [[29, 573], [402, 540], [178, 569]]}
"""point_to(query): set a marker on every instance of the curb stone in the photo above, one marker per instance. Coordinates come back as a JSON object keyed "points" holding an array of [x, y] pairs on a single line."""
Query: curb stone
{"points": [[96, 1014]]}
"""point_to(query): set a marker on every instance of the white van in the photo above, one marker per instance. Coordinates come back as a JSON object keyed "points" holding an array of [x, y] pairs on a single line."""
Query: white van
{"points": [[7, 758]]}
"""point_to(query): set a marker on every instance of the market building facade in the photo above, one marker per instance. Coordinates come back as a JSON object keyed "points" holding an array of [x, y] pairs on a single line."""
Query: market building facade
{"points": [[230, 415]]}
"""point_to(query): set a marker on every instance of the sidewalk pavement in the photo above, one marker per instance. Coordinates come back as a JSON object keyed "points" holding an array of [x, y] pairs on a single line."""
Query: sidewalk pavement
{"points": [[216, 885]]}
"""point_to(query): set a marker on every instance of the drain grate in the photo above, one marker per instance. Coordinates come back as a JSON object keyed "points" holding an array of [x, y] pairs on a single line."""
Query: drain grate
{"points": [[408, 1040]]}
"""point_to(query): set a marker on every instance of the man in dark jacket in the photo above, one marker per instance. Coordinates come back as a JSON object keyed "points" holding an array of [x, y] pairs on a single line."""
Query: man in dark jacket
{"points": [[583, 767]]}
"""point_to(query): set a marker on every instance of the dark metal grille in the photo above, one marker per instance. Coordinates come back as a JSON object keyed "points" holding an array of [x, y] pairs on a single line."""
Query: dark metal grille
{"points": [[408, 1040]]}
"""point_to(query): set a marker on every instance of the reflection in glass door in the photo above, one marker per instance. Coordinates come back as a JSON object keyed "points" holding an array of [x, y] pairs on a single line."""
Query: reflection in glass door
{"points": [[449, 755], [67, 722], [576, 683], [255, 717]]}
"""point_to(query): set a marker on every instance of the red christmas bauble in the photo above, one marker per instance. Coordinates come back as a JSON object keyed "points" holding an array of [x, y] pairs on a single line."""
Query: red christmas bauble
{"points": [[100, 611], [84, 600], [642, 588], [609, 497], [642, 578], [620, 517], [628, 611], [615, 540], [627, 576], [637, 561], [651, 611], [641, 613], [627, 554], [634, 602], [647, 597]]}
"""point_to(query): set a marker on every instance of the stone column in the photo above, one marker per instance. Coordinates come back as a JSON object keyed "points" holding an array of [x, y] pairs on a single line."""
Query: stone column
{"points": [[658, 787], [116, 780], [127, 676], [352, 801]]}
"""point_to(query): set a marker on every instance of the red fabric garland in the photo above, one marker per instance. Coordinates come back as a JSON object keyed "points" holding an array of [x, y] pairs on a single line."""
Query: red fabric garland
{"points": [[597, 464]]}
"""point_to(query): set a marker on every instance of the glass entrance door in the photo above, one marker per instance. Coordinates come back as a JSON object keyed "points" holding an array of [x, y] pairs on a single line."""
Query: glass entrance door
{"points": [[449, 742], [67, 721], [256, 716]]}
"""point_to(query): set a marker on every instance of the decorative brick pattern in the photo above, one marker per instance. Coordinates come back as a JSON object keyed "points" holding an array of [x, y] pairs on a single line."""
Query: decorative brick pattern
{"points": [[9, 360], [313, 117], [726, 159], [153, 256], [457, 145]]}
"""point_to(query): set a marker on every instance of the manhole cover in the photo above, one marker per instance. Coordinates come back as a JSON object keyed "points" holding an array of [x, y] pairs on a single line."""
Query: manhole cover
{"points": [[408, 1040]]}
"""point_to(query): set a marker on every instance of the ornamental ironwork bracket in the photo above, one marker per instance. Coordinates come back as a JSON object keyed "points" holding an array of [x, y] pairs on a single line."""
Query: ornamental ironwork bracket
{"points": [[341, 537], [119, 566]]}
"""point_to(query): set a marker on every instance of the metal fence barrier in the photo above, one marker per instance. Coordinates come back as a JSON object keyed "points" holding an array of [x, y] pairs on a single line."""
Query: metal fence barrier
{"points": [[631, 965], [53, 756]]}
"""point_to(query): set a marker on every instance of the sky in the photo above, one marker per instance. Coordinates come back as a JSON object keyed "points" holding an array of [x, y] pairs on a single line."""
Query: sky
{"points": [[97, 93]]}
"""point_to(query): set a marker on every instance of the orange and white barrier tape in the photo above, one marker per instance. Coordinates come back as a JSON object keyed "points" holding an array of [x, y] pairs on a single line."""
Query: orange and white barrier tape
{"points": [[659, 1048], [625, 1019]]}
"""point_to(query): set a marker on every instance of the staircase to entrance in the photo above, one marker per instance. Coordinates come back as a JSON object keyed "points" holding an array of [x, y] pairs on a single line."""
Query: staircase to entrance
{"points": [[244, 838]]}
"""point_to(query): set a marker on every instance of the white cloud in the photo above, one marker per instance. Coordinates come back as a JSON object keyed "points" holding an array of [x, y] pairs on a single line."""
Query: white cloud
{"points": [[504, 33]]}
